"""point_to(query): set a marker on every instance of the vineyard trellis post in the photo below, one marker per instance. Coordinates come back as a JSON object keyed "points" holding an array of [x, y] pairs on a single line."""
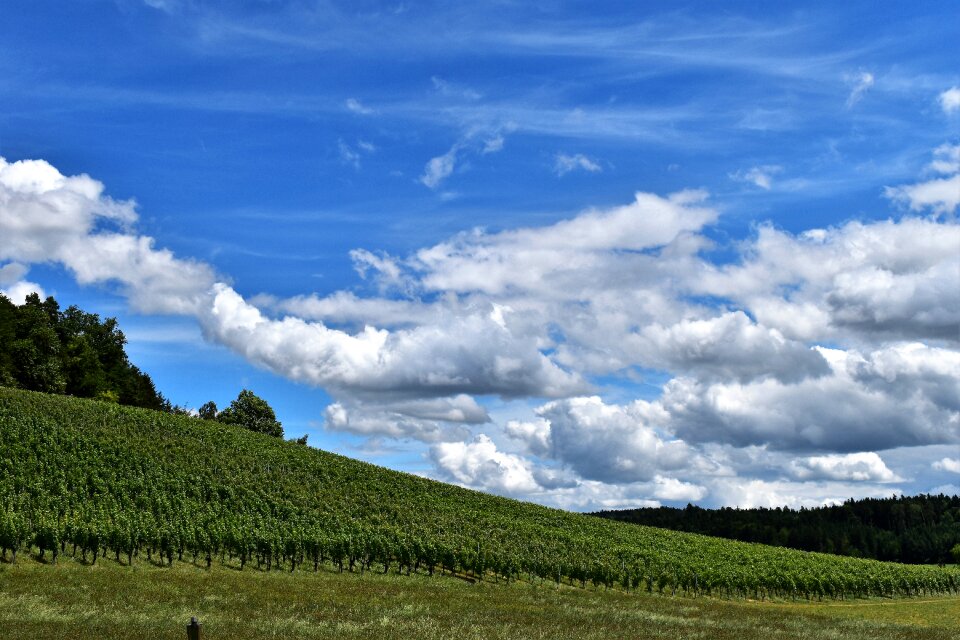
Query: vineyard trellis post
{"points": [[193, 629]]}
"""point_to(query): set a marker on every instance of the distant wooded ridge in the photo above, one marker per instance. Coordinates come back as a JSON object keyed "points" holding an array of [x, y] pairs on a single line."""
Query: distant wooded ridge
{"points": [[922, 529]]}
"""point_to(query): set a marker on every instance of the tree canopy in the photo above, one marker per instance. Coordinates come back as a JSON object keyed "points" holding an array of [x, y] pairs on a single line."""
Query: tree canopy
{"points": [[43, 348], [252, 412]]}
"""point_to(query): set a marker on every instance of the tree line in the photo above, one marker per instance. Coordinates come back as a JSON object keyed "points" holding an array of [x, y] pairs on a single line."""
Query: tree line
{"points": [[71, 352], [923, 529]]}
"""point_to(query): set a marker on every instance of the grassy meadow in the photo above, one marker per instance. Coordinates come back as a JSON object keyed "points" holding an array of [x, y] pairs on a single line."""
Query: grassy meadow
{"points": [[109, 600]]}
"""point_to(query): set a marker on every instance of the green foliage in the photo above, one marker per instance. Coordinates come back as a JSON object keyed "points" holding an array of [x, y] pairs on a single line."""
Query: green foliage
{"points": [[955, 553], [108, 396], [912, 529], [208, 411], [36, 349], [8, 333], [101, 479], [45, 349], [252, 412]]}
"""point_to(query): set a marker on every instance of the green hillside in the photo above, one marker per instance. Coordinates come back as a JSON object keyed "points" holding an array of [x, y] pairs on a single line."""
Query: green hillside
{"points": [[97, 478]]}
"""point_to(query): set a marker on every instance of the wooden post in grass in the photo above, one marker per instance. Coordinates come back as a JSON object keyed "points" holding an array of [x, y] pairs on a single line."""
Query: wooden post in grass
{"points": [[193, 629]]}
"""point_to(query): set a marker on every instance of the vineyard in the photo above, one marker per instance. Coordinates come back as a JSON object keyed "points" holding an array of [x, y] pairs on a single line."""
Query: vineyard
{"points": [[94, 479]]}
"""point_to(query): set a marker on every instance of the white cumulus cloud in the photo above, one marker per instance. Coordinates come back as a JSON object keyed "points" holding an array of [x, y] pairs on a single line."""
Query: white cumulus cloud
{"points": [[859, 467], [755, 493], [18, 291], [13, 285], [889, 279], [466, 353], [904, 395], [481, 465], [948, 464], [396, 422], [939, 195], [950, 100], [48, 217], [610, 443]]}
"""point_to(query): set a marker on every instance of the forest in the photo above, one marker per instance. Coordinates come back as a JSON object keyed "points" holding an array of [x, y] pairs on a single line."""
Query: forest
{"points": [[72, 352], [922, 529]]}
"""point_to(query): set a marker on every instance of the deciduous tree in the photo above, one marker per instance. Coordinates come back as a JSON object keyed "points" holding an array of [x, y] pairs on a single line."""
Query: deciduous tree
{"points": [[252, 412]]}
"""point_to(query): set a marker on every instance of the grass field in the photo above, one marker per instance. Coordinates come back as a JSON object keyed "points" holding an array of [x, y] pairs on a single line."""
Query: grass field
{"points": [[76, 601]]}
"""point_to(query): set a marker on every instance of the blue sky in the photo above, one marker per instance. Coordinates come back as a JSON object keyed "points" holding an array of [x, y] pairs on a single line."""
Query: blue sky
{"points": [[463, 181]]}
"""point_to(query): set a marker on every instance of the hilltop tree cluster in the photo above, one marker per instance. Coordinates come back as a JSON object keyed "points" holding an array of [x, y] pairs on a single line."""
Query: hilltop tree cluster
{"points": [[72, 352], [44, 348], [248, 410]]}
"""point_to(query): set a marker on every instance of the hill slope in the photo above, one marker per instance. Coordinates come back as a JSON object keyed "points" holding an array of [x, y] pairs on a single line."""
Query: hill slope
{"points": [[99, 477]]}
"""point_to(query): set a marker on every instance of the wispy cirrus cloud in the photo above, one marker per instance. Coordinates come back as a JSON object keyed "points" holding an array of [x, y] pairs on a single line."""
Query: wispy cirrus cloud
{"points": [[862, 82], [494, 144], [565, 163], [451, 90], [760, 176], [477, 141], [355, 106], [440, 167], [352, 155]]}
